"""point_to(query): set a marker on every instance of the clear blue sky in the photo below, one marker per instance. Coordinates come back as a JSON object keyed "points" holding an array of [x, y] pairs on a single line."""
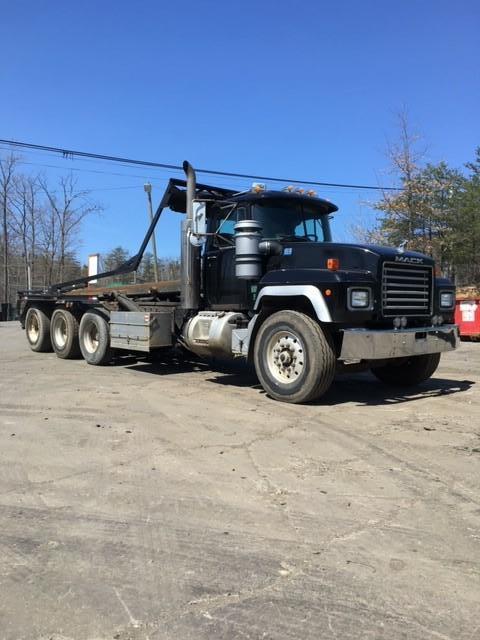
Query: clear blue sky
{"points": [[303, 89]]}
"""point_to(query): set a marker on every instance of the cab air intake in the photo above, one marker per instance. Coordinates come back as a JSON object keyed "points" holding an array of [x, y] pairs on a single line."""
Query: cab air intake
{"points": [[248, 259]]}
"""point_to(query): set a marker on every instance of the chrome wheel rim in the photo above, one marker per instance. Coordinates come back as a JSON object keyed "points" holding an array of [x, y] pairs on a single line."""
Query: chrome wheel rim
{"points": [[285, 357], [60, 332], [33, 328], [90, 337]]}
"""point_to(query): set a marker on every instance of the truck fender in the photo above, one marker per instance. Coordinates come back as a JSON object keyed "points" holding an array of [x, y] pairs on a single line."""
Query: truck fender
{"points": [[308, 291], [287, 292]]}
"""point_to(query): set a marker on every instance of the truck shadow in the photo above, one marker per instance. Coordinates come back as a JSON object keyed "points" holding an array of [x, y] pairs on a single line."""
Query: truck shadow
{"points": [[360, 388], [364, 389]]}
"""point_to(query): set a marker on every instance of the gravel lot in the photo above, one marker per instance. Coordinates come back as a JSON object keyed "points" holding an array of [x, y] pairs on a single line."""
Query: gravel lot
{"points": [[175, 501]]}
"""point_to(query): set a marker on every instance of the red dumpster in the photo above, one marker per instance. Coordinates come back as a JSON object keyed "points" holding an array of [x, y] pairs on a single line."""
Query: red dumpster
{"points": [[467, 316]]}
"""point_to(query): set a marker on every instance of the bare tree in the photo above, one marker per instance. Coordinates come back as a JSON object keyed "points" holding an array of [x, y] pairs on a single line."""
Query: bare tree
{"points": [[68, 207], [425, 211], [405, 157], [39, 229], [25, 215], [7, 170], [48, 244]]}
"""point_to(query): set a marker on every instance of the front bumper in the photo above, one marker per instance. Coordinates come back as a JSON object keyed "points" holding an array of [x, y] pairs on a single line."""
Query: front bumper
{"points": [[370, 344]]}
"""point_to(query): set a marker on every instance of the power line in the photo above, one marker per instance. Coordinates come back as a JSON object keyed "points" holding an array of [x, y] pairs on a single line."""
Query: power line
{"points": [[146, 176], [107, 173], [221, 180], [70, 154]]}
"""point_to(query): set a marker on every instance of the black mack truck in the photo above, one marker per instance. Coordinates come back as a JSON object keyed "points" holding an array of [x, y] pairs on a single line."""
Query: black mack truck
{"points": [[261, 279]]}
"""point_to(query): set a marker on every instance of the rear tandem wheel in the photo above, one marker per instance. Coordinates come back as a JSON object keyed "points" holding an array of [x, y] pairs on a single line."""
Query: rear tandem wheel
{"points": [[95, 338], [64, 334], [37, 330]]}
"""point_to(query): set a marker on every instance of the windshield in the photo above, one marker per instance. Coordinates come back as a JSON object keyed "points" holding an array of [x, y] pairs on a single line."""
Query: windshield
{"points": [[292, 221]]}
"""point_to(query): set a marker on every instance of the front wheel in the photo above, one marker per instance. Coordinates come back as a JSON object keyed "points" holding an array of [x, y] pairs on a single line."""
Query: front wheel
{"points": [[294, 359], [408, 372], [94, 337]]}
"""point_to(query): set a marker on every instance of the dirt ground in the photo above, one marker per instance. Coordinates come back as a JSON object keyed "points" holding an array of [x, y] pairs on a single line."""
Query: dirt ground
{"points": [[175, 501]]}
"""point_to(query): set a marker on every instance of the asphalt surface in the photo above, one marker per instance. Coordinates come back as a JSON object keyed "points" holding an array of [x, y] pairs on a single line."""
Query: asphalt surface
{"points": [[170, 500]]}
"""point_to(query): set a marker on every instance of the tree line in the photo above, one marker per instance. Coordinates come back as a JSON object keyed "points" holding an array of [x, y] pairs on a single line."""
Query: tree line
{"points": [[39, 230], [167, 268]]}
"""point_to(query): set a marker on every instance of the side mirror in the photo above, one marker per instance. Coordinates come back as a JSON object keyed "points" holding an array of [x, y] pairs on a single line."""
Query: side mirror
{"points": [[199, 223]]}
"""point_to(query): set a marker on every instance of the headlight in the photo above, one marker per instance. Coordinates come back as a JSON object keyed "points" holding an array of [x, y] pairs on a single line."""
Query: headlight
{"points": [[447, 299], [359, 298]]}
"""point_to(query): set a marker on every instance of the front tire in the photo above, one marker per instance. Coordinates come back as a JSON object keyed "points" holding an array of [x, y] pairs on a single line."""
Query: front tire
{"points": [[37, 330], [64, 334], [294, 359], [94, 337], [408, 372]]}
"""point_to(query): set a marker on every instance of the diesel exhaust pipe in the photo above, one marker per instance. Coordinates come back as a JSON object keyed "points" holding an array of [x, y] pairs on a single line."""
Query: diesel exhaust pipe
{"points": [[190, 255]]}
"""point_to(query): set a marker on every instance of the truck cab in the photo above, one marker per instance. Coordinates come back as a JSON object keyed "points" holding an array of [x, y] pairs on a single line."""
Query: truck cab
{"points": [[285, 219]]}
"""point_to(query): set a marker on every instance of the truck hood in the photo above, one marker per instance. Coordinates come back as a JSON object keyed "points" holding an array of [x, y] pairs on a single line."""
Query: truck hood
{"points": [[314, 255]]}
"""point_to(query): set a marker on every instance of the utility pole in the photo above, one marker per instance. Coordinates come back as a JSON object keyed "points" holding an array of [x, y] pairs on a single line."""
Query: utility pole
{"points": [[148, 190]]}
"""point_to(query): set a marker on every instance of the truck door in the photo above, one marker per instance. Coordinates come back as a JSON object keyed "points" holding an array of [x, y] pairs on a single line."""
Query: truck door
{"points": [[222, 288]]}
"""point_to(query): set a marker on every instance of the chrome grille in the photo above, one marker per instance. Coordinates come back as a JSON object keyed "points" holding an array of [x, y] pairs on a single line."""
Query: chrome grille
{"points": [[406, 289]]}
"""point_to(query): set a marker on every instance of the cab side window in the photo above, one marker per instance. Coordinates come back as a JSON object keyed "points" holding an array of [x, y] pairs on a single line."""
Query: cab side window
{"points": [[225, 227]]}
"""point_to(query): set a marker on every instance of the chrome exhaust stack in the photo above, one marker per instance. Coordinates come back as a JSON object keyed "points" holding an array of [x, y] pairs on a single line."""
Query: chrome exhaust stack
{"points": [[190, 255]]}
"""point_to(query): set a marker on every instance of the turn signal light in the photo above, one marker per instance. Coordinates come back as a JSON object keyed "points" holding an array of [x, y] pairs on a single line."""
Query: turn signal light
{"points": [[333, 264]]}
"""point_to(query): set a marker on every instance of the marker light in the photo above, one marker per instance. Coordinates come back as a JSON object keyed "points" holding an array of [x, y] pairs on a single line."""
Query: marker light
{"points": [[289, 188], [333, 264], [328, 292], [311, 193], [257, 187]]}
